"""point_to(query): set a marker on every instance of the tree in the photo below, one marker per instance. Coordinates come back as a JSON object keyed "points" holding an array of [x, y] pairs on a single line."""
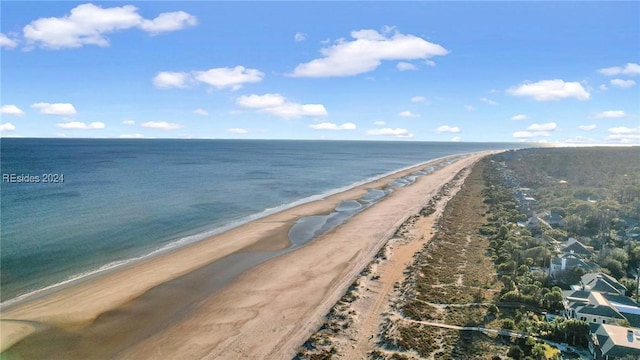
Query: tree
{"points": [[538, 352], [615, 267], [570, 276], [515, 352], [574, 224], [508, 324], [552, 301], [631, 286], [574, 330], [493, 310]]}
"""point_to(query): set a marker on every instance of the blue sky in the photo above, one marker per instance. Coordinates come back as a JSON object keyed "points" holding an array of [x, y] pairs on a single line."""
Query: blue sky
{"points": [[556, 72]]}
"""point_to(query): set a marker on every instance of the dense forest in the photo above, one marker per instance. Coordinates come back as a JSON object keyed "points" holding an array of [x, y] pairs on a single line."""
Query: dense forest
{"points": [[539, 201], [595, 192]]}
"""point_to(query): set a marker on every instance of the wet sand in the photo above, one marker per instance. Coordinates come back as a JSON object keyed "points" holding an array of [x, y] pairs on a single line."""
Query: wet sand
{"points": [[191, 304]]}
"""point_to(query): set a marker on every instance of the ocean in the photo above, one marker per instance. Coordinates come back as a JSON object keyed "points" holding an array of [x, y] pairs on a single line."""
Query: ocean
{"points": [[71, 208]]}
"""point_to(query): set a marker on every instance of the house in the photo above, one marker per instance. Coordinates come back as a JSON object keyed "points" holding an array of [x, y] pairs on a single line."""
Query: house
{"points": [[568, 261], [573, 246], [626, 307], [601, 308], [608, 342], [602, 283], [595, 309], [536, 221], [553, 219], [525, 199], [576, 296]]}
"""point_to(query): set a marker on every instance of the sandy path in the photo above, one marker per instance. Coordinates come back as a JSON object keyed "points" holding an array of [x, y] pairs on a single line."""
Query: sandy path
{"points": [[392, 272], [267, 312]]}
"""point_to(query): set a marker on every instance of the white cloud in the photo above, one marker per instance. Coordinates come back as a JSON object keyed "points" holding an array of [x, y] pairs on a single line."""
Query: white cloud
{"points": [[488, 101], [366, 52], [624, 134], [603, 87], [293, 110], [7, 43], [397, 132], [587, 127], [430, 63], [300, 37], [170, 21], [168, 79], [87, 24], [447, 129], [379, 123], [418, 99], [81, 125], [202, 112], [456, 139], [536, 130], [11, 110], [404, 66], [131, 136], [470, 108], [161, 125], [64, 109], [238, 131], [624, 130], [622, 83], [277, 105], [551, 126], [519, 117], [220, 78], [7, 127], [630, 69], [128, 122], [611, 114], [408, 114], [332, 126], [551, 90], [523, 134], [260, 101], [233, 78]]}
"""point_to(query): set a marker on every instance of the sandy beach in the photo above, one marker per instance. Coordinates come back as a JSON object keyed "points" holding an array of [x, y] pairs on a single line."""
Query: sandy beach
{"points": [[177, 304]]}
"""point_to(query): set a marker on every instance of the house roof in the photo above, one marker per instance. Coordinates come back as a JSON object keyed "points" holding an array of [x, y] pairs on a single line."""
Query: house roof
{"points": [[596, 298], [552, 217], [625, 306], [633, 319], [572, 261], [576, 295], [618, 340], [620, 299], [577, 248], [602, 283], [600, 310]]}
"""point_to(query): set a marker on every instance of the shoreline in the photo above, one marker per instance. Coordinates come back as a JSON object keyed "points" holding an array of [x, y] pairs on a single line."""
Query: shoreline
{"points": [[118, 289], [207, 234]]}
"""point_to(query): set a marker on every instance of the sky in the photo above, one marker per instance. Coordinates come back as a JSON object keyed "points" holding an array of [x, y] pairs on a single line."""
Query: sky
{"points": [[552, 72]]}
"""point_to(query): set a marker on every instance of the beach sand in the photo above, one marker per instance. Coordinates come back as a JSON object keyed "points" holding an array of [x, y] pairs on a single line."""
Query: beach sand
{"points": [[176, 304]]}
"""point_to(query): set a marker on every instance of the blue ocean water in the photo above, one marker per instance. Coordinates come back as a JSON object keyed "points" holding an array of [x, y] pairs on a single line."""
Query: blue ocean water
{"points": [[125, 199]]}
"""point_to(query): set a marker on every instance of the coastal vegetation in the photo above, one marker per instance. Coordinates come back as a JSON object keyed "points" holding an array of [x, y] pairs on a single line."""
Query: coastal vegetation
{"points": [[482, 287], [452, 282]]}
